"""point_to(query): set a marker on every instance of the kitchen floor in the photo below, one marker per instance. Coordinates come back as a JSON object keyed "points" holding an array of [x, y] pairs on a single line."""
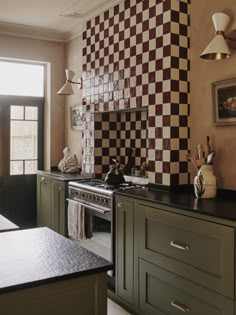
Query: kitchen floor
{"points": [[115, 309]]}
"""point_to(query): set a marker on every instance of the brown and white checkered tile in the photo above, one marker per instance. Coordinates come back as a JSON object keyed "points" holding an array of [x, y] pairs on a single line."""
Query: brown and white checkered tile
{"points": [[137, 54]]}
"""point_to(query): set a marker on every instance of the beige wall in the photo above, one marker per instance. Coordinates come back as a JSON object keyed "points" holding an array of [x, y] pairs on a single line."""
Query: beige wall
{"points": [[202, 74], [73, 139], [53, 54]]}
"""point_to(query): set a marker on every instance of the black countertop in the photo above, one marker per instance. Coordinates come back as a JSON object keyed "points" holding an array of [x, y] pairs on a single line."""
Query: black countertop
{"points": [[64, 176], [37, 256], [220, 207]]}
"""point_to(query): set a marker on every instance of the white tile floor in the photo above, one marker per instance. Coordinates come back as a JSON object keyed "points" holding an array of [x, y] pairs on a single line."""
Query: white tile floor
{"points": [[115, 309]]}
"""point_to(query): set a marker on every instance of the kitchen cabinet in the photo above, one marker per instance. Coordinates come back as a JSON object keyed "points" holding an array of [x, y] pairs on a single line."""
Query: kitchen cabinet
{"points": [[124, 250], [181, 263], [52, 192], [51, 203], [44, 200], [59, 218]]}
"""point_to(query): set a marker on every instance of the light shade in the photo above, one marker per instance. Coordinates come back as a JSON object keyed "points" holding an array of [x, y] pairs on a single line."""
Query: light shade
{"points": [[67, 87], [218, 47]]}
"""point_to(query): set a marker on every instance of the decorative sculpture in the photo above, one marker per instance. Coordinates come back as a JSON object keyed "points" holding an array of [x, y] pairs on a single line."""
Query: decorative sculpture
{"points": [[69, 163]]}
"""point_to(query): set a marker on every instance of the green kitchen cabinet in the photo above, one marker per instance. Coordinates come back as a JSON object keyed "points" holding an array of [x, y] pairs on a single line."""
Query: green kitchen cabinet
{"points": [[44, 197], [51, 203], [162, 292], [58, 206], [170, 262], [124, 250]]}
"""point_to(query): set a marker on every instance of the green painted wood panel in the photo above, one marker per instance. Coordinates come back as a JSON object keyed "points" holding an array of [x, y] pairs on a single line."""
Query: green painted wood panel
{"points": [[162, 292], [201, 251], [124, 250], [58, 206], [44, 204]]}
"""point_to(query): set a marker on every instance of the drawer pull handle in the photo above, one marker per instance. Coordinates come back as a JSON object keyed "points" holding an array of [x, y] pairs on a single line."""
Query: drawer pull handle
{"points": [[180, 306], [120, 204], [43, 179], [179, 246]]}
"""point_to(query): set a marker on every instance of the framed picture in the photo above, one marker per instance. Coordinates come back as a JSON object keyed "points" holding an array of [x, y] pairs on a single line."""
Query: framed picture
{"points": [[224, 102], [77, 117]]}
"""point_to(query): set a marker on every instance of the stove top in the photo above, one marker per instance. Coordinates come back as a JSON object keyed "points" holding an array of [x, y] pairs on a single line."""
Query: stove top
{"points": [[98, 185]]}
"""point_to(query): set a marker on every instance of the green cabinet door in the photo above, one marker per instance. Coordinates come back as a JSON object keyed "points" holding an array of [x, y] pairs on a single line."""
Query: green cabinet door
{"points": [[58, 206], [164, 293], [124, 250], [44, 204]]}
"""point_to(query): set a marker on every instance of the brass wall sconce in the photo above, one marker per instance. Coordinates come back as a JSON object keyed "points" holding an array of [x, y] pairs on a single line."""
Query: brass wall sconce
{"points": [[219, 46], [67, 87]]}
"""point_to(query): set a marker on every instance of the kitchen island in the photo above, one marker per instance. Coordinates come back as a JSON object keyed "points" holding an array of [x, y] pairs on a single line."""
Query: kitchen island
{"points": [[42, 272]]}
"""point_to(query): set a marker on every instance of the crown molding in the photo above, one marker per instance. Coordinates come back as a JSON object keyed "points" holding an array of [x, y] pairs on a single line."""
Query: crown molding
{"points": [[20, 30], [40, 33]]}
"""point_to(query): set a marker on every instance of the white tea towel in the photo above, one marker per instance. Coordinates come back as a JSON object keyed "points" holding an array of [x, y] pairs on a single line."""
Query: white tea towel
{"points": [[81, 229], [72, 219], [76, 224]]}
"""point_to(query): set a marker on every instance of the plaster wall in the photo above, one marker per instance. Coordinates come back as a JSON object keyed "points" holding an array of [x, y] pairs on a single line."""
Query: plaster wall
{"points": [[202, 74], [73, 55]]}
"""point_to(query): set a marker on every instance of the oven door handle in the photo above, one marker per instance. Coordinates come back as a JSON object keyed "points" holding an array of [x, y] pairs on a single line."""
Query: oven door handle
{"points": [[88, 205]]}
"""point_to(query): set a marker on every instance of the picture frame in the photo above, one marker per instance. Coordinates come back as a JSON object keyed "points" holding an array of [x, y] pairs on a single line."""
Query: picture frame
{"points": [[224, 102], [77, 117]]}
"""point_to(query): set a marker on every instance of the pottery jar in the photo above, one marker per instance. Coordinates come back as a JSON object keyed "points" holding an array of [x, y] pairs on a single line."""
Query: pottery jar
{"points": [[205, 182]]}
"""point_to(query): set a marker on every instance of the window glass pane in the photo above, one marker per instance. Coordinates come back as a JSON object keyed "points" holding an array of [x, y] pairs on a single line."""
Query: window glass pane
{"points": [[31, 167], [24, 142], [31, 113], [21, 79], [16, 167], [17, 112]]}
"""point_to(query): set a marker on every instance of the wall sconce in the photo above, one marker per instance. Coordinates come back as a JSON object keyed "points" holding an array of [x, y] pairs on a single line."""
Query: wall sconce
{"points": [[67, 87], [218, 47]]}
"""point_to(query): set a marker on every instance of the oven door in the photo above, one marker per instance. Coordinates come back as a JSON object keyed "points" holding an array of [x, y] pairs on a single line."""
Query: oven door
{"points": [[98, 230]]}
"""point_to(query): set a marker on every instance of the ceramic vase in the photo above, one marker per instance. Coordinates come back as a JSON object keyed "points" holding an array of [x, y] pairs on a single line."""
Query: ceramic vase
{"points": [[205, 182]]}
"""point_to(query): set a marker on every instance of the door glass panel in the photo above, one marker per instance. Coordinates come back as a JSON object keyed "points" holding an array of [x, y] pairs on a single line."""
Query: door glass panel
{"points": [[31, 113], [23, 140], [16, 168], [31, 167], [17, 112]]}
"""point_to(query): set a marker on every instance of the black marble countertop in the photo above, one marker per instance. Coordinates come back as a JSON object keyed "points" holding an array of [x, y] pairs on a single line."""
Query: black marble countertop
{"points": [[64, 176], [221, 207], [37, 256]]}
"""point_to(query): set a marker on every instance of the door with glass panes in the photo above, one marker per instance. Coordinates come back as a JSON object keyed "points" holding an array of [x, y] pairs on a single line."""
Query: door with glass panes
{"points": [[21, 154]]}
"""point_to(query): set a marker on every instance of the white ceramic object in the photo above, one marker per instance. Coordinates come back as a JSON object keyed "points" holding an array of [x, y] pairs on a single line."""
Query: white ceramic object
{"points": [[205, 182], [136, 180]]}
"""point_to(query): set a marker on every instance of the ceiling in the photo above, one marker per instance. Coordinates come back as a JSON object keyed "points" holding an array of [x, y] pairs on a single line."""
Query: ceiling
{"points": [[58, 20]]}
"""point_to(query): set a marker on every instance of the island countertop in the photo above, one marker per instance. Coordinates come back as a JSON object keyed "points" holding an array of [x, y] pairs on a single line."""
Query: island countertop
{"points": [[38, 256]]}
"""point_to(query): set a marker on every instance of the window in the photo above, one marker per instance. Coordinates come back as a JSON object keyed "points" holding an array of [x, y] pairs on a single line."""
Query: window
{"points": [[21, 79]]}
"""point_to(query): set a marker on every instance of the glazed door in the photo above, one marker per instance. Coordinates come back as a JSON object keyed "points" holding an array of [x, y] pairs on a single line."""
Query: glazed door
{"points": [[21, 154]]}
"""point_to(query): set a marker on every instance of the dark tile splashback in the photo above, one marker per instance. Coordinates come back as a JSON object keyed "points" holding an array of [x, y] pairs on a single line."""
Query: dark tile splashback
{"points": [[115, 134]]}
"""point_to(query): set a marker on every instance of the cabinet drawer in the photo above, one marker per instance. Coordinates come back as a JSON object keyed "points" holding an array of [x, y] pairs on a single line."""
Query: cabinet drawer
{"points": [[198, 250], [161, 292]]}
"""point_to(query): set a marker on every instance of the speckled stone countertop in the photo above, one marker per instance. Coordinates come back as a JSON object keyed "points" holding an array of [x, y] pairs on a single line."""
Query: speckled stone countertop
{"points": [[37, 256], [221, 207], [65, 177]]}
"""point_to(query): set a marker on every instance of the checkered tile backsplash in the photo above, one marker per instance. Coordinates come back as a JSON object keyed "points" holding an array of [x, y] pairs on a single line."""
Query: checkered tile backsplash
{"points": [[115, 134], [137, 54]]}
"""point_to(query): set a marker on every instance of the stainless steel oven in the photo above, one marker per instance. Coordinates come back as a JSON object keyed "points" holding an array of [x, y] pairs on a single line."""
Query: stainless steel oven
{"points": [[99, 218], [99, 221]]}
